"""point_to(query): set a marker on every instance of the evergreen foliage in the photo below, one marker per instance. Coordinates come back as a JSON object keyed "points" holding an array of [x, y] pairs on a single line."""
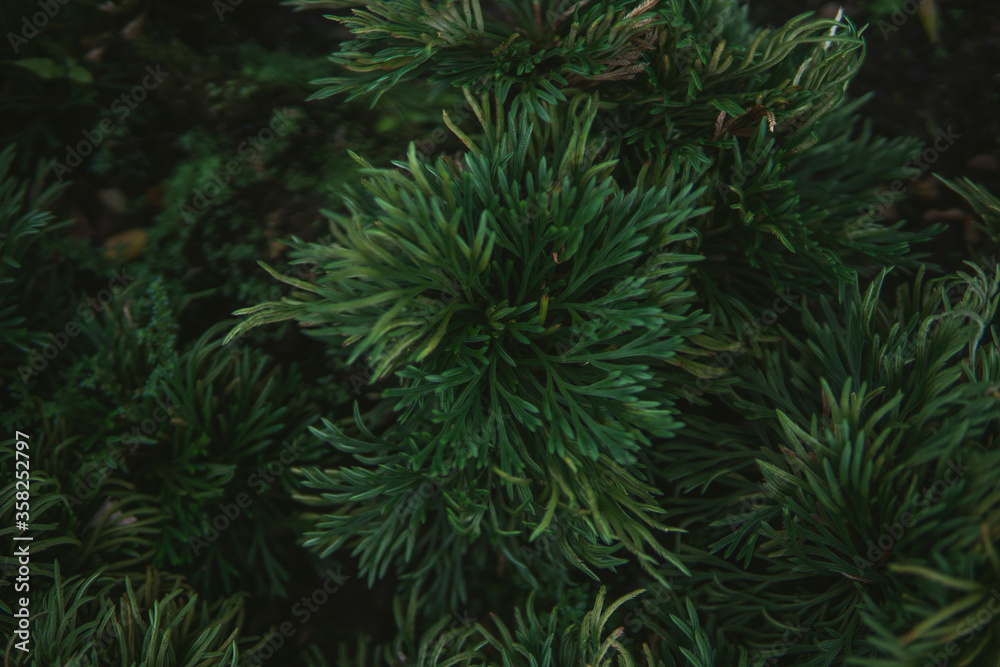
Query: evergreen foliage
{"points": [[863, 481], [633, 346], [22, 219], [547, 640], [792, 212], [759, 118], [527, 351], [147, 619]]}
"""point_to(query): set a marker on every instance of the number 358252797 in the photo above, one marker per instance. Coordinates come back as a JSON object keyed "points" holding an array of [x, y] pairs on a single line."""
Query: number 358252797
{"points": [[22, 465]]}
